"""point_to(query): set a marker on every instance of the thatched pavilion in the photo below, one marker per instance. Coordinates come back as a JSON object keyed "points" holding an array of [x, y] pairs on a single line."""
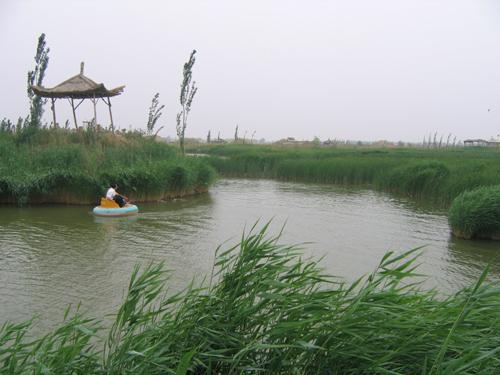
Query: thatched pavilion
{"points": [[80, 88]]}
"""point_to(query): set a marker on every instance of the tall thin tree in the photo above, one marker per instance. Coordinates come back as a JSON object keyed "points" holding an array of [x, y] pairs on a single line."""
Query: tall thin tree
{"points": [[154, 115], [35, 77], [188, 91]]}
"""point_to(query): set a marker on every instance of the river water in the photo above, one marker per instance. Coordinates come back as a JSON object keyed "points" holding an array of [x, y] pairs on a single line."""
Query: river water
{"points": [[54, 256]]}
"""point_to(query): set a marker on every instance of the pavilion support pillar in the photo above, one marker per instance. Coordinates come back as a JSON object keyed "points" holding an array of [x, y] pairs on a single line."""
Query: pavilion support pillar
{"points": [[110, 115], [54, 111], [95, 111], [74, 113]]}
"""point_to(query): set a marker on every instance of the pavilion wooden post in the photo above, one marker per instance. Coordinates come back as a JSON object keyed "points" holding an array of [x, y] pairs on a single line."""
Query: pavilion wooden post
{"points": [[54, 111], [74, 113], [95, 111], [110, 114]]}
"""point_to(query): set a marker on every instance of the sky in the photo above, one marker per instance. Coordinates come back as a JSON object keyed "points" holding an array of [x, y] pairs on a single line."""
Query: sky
{"points": [[349, 70]]}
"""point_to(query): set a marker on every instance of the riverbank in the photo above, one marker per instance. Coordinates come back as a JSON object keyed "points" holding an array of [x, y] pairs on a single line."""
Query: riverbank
{"points": [[434, 175], [267, 308], [66, 167]]}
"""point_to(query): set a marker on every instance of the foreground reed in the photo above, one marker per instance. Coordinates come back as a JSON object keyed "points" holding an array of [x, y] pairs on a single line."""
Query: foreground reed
{"points": [[266, 310]]}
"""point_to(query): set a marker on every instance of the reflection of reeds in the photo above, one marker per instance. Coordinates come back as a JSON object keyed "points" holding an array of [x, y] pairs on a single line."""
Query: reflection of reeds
{"points": [[437, 175], [267, 310], [56, 170]]}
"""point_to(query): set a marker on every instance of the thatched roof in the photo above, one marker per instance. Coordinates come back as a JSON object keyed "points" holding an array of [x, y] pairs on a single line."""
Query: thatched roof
{"points": [[475, 140], [77, 87]]}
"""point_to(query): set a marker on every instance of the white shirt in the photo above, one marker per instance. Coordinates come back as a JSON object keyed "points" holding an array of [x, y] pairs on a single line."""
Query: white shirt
{"points": [[111, 193]]}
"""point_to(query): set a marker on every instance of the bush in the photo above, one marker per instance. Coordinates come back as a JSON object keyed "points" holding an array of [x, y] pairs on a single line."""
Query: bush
{"points": [[476, 213]]}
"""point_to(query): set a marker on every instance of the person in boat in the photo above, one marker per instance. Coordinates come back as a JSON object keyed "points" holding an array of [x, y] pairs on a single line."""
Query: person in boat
{"points": [[113, 195]]}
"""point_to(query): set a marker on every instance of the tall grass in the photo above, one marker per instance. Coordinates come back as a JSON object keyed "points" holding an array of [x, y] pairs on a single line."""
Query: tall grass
{"points": [[265, 309], [55, 165], [476, 213], [434, 175]]}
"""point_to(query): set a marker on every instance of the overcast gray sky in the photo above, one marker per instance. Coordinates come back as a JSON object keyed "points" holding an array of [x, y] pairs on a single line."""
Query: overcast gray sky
{"points": [[354, 69]]}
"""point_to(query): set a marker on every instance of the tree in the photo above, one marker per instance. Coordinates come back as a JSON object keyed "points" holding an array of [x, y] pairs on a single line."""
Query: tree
{"points": [[188, 90], [6, 126], [448, 140], [236, 134], [208, 137], [154, 115], [35, 77]]}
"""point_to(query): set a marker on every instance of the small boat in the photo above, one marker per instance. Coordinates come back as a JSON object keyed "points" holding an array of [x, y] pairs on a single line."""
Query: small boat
{"points": [[110, 208]]}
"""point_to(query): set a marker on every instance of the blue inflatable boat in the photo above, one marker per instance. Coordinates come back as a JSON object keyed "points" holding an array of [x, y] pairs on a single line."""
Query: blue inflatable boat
{"points": [[109, 208]]}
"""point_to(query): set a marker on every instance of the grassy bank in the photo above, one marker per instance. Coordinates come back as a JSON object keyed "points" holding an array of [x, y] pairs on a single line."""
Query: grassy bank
{"points": [[60, 166], [437, 176], [266, 310]]}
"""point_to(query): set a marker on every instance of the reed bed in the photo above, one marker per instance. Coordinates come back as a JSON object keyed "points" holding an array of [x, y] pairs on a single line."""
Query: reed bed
{"points": [[476, 213], [59, 166], [437, 176], [265, 309]]}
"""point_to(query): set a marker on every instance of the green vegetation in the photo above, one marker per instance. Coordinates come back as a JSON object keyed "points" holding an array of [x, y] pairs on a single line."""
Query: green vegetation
{"points": [[476, 213], [437, 176], [154, 115], [35, 77], [266, 310], [61, 166], [188, 91]]}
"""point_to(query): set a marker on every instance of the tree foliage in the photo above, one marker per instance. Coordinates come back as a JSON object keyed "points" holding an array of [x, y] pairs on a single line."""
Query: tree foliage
{"points": [[35, 77], [154, 114], [188, 91]]}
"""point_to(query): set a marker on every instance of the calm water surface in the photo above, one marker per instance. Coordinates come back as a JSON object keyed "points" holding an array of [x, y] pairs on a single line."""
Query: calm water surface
{"points": [[51, 257]]}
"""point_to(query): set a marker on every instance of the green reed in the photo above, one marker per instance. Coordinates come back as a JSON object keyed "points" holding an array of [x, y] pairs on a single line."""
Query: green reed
{"points": [[265, 309], [434, 175], [62, 166], [476, 213]]}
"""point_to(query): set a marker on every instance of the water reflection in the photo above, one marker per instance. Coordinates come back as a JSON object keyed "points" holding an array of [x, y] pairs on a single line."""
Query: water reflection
{"points": [[471, 257], [115, 221]]}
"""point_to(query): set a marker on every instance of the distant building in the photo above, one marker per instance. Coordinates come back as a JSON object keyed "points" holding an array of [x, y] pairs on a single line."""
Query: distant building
{"points": [[482, 142], [287, 141]]}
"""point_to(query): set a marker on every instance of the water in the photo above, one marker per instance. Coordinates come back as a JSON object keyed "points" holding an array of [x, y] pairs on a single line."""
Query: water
{"points": [[51, 257]]}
